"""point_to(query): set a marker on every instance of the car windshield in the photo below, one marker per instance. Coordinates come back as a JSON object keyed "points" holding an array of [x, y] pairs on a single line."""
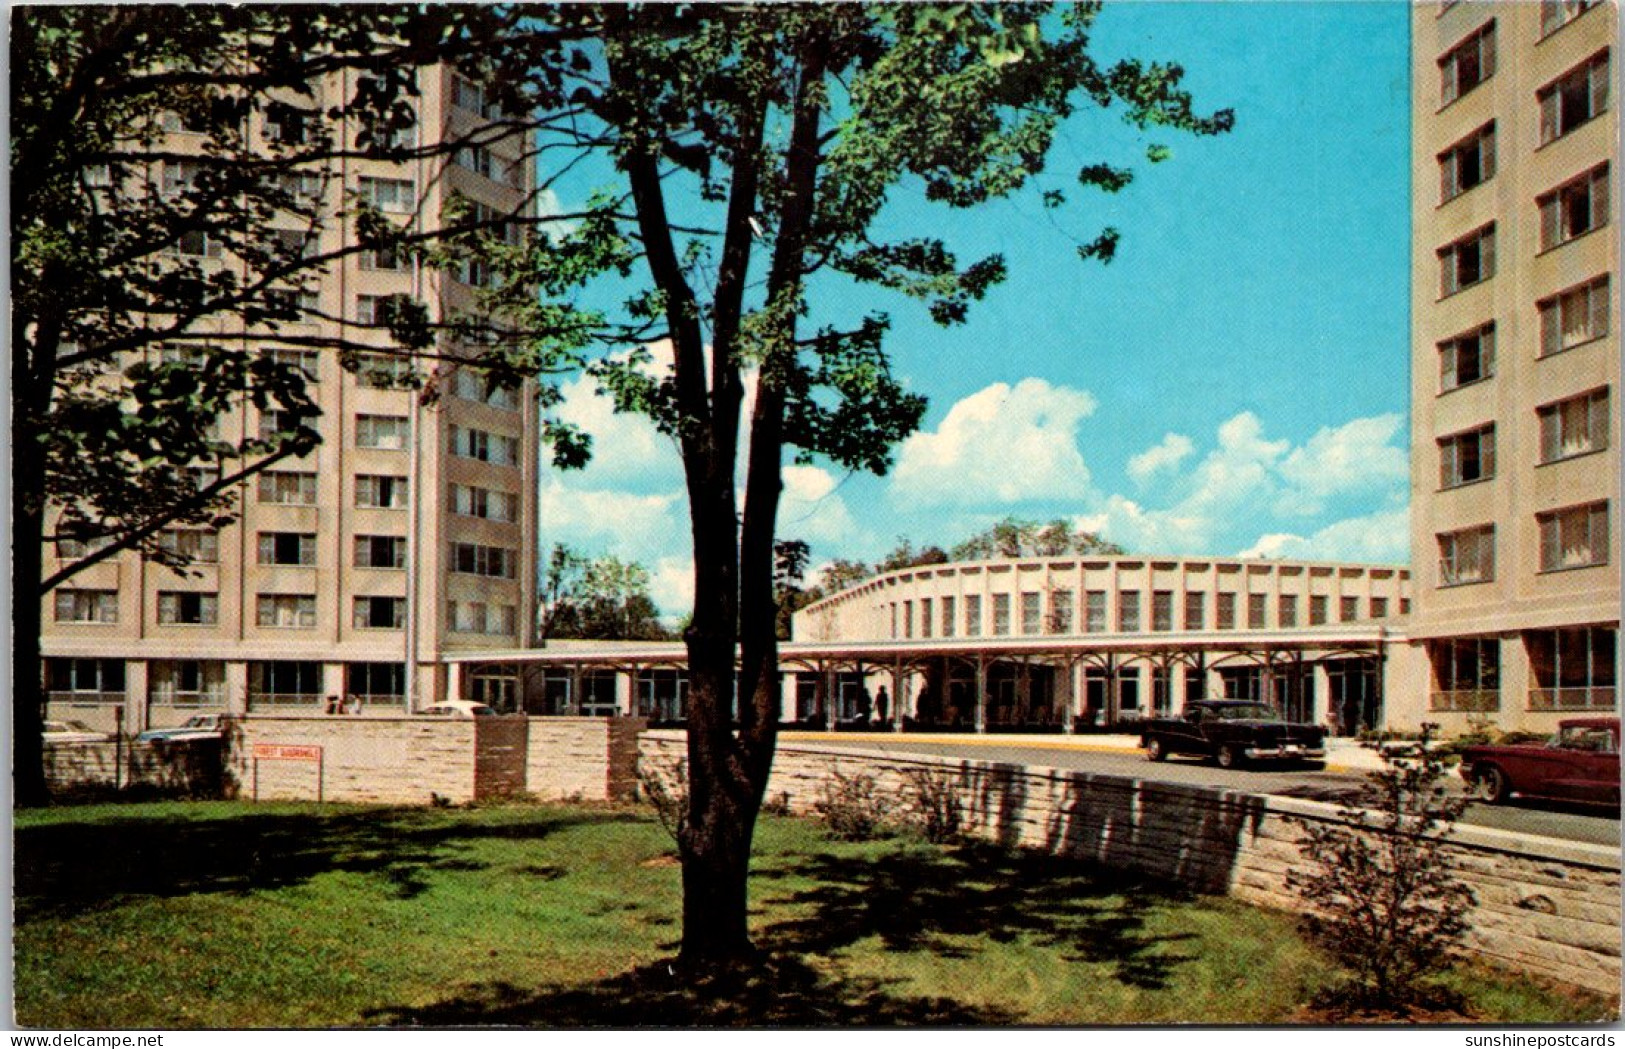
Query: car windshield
{"points": [[1585, 737], [1246, 712]]}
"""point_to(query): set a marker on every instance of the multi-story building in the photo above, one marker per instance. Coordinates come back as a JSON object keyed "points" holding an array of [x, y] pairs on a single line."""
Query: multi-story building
{"points": [[406, 535], [1515, 359]]}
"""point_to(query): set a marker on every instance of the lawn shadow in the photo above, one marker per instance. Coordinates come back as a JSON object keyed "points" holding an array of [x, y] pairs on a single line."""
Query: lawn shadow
{"points": [[942, 901], [780, 992], [67, 869]]}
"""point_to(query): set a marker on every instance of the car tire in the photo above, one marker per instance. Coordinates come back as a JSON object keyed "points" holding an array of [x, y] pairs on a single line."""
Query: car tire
{"points": [[1155, 750], [1230, 757], [1491, 784]]}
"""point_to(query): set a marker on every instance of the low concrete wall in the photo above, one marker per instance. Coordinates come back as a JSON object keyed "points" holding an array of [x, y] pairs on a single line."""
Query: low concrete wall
{"points": [[1545, 906], [583, 758], [191, 768]]}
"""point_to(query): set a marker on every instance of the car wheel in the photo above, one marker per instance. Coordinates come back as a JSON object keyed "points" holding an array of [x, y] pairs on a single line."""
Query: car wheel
{"points": [[1155, 750], [1491, 784], [1230, 757]]}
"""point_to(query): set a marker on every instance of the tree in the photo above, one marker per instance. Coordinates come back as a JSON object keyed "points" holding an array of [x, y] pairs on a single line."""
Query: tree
{"points": [[790, 558], [152, 282], [1014, 537], [558, 591], [1380, 891], [604, 599], [754, 149]]}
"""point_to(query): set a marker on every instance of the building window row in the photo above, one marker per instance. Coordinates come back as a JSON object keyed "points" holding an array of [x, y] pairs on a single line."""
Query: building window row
{"points": [[1468, 261], [1570, 669], [1467, 358], [1574, 209], [287, 548], [1574, 426], [379, 613], [496, 448], [478, 617], [189, 608], [1466, 458], [1575, 316], [471, 385], [1574, 98], [74, 605], [1467, 556], [1574, 537], [470, 500], [380, 492], [1555, 14], [288, 487], [1468, 64], [292, 611], [475, 559], [386, 432], [380, 551], [1468, 163]]}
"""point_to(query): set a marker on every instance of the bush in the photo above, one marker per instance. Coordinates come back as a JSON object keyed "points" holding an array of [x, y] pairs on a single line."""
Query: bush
{"points": [[852, 807], [666, 791], [934, 804], [1382, 895]]}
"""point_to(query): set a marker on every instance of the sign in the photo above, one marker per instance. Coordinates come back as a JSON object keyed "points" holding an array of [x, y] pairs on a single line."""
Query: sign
{"points": [[286, 752]]}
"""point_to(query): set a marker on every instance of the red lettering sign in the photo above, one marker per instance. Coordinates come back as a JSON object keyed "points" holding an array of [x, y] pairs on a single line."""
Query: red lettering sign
{"points": [[286, 752]]}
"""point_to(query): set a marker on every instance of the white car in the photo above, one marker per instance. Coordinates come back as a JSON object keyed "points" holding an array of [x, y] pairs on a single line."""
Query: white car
{"points": [[73, 732], [198, 726], [458, 708]]}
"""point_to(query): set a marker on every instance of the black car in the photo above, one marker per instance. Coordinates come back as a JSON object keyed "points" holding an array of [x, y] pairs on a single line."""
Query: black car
{"points": [[1233, 732]]}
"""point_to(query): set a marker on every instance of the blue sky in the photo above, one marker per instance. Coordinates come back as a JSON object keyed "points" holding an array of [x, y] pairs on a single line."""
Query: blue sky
{"points": [[1234, 382]]}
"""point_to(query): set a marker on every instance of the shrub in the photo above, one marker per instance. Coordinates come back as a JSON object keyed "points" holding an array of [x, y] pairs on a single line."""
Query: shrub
{"points": [[1382, 895], [935, 804], [665, 788], [852, 807]]}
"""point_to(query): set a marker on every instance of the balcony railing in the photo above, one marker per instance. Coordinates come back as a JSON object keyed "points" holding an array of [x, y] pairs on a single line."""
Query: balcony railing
{"points": [[1466, 701], [87, 699], [1583, 697], [283, 699], [214, 698]]}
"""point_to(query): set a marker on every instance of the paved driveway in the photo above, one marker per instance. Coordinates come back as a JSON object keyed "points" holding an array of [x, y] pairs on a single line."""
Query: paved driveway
{"points": [[1116, 756]]}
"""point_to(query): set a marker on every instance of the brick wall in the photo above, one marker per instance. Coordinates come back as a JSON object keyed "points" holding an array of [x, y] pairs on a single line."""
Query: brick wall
{"points": [[1545, 906]]}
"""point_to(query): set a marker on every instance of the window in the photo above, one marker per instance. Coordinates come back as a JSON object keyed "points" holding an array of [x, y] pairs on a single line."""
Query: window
{"points": [[302, 187], [1575, 208], [1572, 668], [1467, 358], [306, 361], [1256, 611], [188, 608], [1348, 609], [180, 177], [1317, 609], [1032, 612], [381, 431], [1576, 537], [285, 681], [380, 551], [275, 421], [1467, 261], [908, 619], [471, 385], [475, 617], [286, 610], [385, 257], [1128, 611], [466, 94], [388, 194], [1467, 457], [1286, 610], [1555, 14], [287, 124], [380, 613], [295, 302], [379, 310], [71, 548], [1196, 610], [1379, 608], [384, 371], [1162, 610], [1094, 611], [186, 682], [1467, 65], [1224, 615], [473, 501], [287, 548], [86, 680], [474, 559], [925, 617], [376, 682], [1467, 556], [1575, 316], [486, 447], [1575, 426], [295, 243], [948, 611], [481, 161], [973, 615], [288, 487], [199, 244], [1466, 674], [86, 606], [380, 492], [1001, 614], [381, 135], [1468, 163], [1060, 612], [1573, 98], [197, 545]]}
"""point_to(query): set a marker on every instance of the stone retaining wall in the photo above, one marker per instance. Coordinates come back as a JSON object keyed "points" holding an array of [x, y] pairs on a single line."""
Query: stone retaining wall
{"points": [[190, 768], [1545, 906]]}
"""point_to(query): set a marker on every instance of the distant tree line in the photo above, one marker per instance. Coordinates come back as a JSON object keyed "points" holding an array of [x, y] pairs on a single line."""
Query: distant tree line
{"points": [[601, 599]]}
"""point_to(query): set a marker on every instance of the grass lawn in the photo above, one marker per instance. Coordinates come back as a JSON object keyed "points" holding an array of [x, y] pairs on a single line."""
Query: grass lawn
{"points": [[181, 915]]}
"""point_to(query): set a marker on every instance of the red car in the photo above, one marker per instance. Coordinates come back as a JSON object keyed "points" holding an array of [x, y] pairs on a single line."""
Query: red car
{"points": [[1580, 763]]}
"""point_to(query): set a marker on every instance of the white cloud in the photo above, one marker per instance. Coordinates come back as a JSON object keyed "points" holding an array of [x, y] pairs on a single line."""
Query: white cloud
{"points": [[1001, 444], [626, 524], [810, 509], [1381, 536], [1134, 527], [1166, 455], [671, 585], [1357, 456]]}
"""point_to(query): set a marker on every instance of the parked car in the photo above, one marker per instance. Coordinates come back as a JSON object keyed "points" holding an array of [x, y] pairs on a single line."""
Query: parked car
{"points": [[73, 732], [458, 708], [198, 726], [1233, 732], [1579, 763]]}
